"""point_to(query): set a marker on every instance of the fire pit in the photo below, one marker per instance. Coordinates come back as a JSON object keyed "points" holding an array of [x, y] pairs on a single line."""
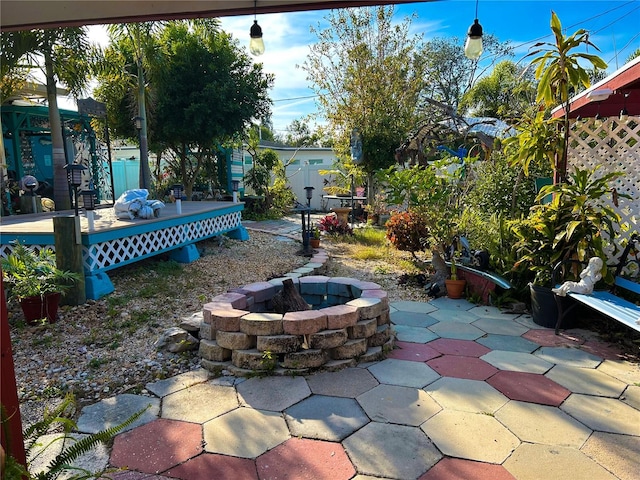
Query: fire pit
{"points": [[348, 323]]}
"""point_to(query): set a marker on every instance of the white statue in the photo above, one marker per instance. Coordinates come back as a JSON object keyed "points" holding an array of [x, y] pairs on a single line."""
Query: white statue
{"points": [[588, 278]]}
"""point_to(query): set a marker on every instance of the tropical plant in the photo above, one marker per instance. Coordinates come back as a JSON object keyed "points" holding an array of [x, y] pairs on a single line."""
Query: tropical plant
{"points": [[332, 226], [62, 463], [31, 273], [577, 224], [560, 72], [408, 232]]}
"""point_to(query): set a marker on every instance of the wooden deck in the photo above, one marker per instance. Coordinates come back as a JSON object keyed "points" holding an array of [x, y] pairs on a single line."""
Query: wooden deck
{"points": [[114, 242]]}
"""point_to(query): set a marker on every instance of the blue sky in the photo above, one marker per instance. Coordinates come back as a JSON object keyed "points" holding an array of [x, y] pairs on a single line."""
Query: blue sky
{"points": [[614, 28]]}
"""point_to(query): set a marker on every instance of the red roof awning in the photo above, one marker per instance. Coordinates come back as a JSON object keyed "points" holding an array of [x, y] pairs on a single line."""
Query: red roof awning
{"points": [[623, 87]]}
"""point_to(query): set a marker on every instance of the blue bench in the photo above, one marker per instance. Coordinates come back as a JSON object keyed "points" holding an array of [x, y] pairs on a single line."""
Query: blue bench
{"points": [[608, 303]]}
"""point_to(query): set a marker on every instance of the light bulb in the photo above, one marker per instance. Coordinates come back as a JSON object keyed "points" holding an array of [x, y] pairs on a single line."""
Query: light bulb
{"points": [[473, 45], [256, 45]]}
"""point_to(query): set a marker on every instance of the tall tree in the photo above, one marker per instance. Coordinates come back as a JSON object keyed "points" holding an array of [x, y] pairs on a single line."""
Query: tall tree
{"points": [[139, 37], [208, 90], [366, 73], [63, 55], [505, 93]]}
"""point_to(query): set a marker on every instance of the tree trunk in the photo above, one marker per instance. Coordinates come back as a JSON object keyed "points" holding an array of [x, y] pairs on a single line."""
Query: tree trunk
{"points": [[60, 183], [145, 172], [288, 299]]}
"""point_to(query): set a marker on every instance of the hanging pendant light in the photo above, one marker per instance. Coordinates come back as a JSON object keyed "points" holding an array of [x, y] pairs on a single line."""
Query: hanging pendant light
{"points": [[473, 46], [256, 45]]}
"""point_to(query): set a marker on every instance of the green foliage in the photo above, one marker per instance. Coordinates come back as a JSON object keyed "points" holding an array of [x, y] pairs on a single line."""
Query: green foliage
{"points": [[505, 93], [330, 225], [60, 419], [366, 73], [577, 224], [28, 273]]}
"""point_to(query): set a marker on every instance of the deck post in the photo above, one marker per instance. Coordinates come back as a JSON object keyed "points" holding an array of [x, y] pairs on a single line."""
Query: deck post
{"points": [[69, 256]]}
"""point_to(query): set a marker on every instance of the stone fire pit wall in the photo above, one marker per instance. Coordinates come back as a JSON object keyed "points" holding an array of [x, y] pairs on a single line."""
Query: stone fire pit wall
{"points": [[349, 323]]}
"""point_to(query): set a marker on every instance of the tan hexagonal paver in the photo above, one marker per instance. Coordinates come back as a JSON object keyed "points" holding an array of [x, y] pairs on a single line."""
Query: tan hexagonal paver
{"points": [[603, 414], [245, 432], [474, 436], [199, 403], [586, 380], [466, 395], [397, 404], [542, 424], [535, 461]]}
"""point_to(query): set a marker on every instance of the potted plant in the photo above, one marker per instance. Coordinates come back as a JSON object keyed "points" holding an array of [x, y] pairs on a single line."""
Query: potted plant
{"points": [[455, 286], [33, 278], [314, 239], [571, 226]]}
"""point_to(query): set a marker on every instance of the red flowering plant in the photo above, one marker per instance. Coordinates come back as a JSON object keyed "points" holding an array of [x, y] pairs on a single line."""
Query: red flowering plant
{"points": [[332, 226], [407, 231]]}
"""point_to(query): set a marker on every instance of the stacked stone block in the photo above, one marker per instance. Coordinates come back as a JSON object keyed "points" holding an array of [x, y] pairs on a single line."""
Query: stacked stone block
{"points": [[350, 322]]}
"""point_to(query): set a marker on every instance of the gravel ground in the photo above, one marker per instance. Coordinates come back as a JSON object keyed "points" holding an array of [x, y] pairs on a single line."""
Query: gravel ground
{"points": [[106, 347]]}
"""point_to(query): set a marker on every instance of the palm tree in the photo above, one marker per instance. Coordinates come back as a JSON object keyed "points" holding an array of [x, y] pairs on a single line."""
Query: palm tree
{"points": [[63, 55], [140, 38]]}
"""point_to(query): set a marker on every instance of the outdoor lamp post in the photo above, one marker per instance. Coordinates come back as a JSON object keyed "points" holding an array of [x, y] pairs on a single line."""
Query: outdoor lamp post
{"points": [[74, 177], [235, 186], [30, 183], [177, 194], [306, 233], [89, 202]]}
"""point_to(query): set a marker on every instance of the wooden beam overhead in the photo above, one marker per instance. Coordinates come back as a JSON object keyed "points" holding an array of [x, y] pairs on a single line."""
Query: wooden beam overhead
{"points": [[31, 14]]}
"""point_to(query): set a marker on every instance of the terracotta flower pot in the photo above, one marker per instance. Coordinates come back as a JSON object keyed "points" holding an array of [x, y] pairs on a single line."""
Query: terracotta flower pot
{"points": [[36, 308], [455, 288], [314, 242]]}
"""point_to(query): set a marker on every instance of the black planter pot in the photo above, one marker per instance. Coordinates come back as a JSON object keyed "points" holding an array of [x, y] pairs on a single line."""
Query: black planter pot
{"points": [[544, 309]]}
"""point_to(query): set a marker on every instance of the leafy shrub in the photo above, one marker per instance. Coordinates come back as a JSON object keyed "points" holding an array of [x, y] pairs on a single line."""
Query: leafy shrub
{"points": [[331, 226], [407, 231]]}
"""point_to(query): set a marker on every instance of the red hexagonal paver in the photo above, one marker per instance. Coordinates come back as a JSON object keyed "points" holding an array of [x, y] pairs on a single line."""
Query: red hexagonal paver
{"points": [[415, 352], [547, 338], [305, 459], [529, 387], [456, 469], [457, 366], [211, 465], [157, 446], [466, 348]]}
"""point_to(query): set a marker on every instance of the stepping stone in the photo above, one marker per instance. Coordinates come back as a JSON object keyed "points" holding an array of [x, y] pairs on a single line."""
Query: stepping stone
{"points": [[529, 387], [603, 414], [416, 307], [414, 352], [157, 446], [208, 466], [457, 469], [381, 405], [477, 432], [500, 326], [273, 393], [570, 357], [470, 368], [533, 462], [508, 343], [414, 334], [305, 458], [261, 431], [164, 387], [466, 348], [408, 452], [403, 373], [325, 418], [587, 381], [199, 403], [412, 319], [113, 411], [517, 362], [466, 395], [543, 424], [456, 330], [616, 453], [348, 383], [459, 316]]}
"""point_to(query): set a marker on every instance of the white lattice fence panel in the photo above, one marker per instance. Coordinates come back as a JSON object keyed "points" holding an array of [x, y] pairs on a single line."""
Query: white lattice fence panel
{"points": [[7, 249], [615, 146], [108, 254]]}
